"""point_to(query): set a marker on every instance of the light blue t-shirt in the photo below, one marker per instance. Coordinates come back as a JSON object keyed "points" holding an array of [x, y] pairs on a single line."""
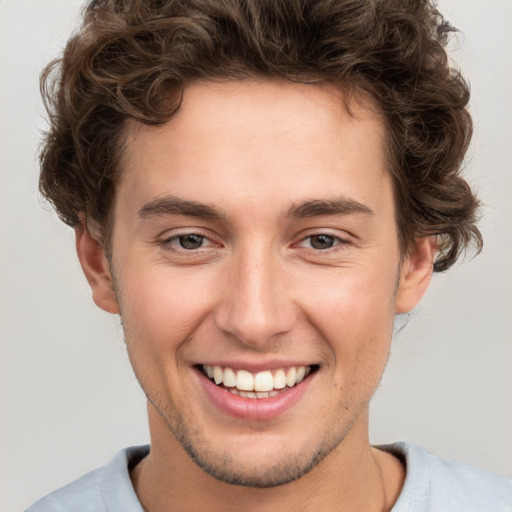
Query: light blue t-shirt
{"points": [[431, 485]]}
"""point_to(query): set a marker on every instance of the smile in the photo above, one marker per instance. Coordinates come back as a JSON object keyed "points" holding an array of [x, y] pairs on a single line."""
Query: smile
{"points": [[264, 384]]}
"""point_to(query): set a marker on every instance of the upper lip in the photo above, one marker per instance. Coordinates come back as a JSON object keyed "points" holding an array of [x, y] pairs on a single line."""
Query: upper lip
{"points": [[255, 366]]}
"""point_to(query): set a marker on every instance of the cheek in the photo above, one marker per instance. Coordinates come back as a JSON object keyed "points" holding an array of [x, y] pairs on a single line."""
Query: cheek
{"points": [[162, 306], [352, 296], [355, 313]]}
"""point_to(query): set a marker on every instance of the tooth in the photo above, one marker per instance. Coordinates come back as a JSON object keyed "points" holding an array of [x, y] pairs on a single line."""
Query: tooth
{"points": [[244, 380], [229, 378], [290, 377], [217, 374], [279, 379], [247, 394], [234, 391], [263, 381]]}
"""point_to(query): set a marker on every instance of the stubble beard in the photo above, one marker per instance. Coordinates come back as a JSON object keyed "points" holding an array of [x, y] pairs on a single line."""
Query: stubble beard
{"points": [[221, 465], [225, 467]]}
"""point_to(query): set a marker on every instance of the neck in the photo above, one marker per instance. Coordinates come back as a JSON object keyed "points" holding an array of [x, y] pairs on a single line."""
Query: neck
{"points": [[354, 477]]}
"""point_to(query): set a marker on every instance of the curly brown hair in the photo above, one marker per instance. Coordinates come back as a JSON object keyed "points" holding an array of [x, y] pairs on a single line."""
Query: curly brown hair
{"points": [[131, 57]]}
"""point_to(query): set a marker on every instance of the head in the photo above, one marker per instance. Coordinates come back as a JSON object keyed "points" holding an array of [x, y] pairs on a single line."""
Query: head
{"points": [[214, 158]]}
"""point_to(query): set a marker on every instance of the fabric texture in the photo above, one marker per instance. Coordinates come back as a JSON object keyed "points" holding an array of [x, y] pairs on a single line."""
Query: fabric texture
{"points": [[431, 485]]}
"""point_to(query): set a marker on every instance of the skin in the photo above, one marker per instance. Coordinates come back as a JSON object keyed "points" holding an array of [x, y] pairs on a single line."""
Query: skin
{"points": [[259, 292]]}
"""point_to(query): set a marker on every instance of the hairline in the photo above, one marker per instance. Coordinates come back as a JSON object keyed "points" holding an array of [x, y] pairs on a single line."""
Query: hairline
{"points": [[344, 91]]}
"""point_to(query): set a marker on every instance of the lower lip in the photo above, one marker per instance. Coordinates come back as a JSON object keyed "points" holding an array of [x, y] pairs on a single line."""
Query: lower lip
{"points": [[253, 409]]}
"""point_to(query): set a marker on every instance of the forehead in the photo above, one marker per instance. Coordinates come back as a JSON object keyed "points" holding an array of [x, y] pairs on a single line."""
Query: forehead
{"points": [[258, 139], [245, 107]]}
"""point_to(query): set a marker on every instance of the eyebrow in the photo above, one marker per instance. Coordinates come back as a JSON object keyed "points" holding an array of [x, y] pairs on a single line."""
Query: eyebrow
{"points": [[172, 205], [336, 206]]}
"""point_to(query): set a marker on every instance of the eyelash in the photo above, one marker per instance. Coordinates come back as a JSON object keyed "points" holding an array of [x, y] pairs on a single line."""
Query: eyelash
{"points": [[338, 242], [168, 242]]}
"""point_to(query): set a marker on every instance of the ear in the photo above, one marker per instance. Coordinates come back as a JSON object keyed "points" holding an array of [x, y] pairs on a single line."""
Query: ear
{"points": [[96, 268], [415, 274]]}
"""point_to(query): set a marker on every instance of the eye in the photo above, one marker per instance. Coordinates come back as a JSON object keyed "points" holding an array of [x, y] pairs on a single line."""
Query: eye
{"points": [[186, 246], [186, 242], [322, 241], [327, 243], [190, 241]]}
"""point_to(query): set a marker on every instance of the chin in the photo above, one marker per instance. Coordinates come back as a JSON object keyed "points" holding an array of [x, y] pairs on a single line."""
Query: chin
{"points": [[264, 464], [262, 473]]}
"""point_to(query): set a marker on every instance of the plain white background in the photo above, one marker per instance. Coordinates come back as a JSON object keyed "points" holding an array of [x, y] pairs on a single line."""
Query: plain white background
{"points": [[68, 398]]}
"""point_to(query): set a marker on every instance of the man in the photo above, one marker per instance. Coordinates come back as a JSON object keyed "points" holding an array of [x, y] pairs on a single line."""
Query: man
{"points": [[257, 189]]}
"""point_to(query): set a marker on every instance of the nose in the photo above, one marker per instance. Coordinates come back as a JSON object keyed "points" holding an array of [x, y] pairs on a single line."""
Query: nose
{"points": [[256, 306]]}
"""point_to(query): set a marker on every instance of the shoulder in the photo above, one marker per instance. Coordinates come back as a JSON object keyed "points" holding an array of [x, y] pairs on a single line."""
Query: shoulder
{"points": [[105, 489], [83, 495], [434, 484]]}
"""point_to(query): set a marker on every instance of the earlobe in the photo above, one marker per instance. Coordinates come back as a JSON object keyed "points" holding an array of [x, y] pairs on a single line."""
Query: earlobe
{"points": [[416, 273], [96, 268]]}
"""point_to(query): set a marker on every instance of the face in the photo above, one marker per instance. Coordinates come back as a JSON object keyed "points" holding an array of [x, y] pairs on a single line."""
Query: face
{"points": [[256, 268]]}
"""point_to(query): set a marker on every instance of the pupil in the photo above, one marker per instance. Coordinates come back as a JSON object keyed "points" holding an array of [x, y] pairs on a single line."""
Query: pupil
{"points": [[322, 241], [191, 241]]}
